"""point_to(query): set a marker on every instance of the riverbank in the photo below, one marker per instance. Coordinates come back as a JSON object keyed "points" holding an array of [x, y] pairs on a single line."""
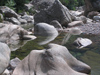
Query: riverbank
{"points": [[91, 28]]}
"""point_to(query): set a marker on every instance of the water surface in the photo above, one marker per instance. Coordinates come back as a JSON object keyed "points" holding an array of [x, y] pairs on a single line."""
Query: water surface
{"points": [[89, 55]]}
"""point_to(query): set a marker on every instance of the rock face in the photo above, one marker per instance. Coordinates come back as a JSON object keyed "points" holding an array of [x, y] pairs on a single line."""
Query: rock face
{"points": [[55, 60], [11, 34], [45, 30], [4, 57], [8, 12], [55, 12], [42, 4]]}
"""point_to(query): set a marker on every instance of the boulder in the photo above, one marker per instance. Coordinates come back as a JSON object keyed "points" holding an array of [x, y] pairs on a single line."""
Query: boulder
{"points": [[55, 60], [4, 57], [81, 18], [28, 18], [14, 62], [42, 4], [22, 21], [96, 18], [75, 23], [56, 12], [8, 12], [44, 29], [92, 13], [11, 34], [1, 17], [82, 42], [56, 24], [48, 32], [13, 20]]}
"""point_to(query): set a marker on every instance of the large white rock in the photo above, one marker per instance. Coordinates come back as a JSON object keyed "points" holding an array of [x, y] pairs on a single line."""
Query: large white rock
{"points": [[55, 60], [82, 42], [4, 57]]}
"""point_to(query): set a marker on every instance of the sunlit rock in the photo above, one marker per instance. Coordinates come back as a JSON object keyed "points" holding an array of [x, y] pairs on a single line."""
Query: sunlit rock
{"points": [[55, 12], [82, 42], [47, 31], [4, 57], [55, 60]]}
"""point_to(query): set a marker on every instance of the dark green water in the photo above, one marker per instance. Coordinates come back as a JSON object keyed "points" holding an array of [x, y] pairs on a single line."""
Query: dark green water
{"points": [[90, 55]]}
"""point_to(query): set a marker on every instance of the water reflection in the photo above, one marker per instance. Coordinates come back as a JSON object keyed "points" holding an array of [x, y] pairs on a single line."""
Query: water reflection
{"points": [[90, 55]]}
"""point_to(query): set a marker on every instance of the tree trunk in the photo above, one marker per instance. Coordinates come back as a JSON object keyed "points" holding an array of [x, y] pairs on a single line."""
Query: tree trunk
{"points": [[91, 5]]}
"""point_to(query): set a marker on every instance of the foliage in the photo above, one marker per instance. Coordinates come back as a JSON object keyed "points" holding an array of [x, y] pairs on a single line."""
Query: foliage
{"points": [[11, 4], [19, 4], [72, 4]]}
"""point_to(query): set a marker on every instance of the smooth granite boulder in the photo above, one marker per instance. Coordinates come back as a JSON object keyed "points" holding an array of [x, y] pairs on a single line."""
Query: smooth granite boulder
{"points": [[8, 12], [48, 32], [55, 60], [4, 57]]}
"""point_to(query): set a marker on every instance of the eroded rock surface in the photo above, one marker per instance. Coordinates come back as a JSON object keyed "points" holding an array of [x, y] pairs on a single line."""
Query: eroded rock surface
{"points": [[55, 60]]}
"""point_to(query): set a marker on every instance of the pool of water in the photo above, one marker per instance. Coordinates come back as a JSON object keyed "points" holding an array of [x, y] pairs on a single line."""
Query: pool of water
{"points": [[89, 55]]}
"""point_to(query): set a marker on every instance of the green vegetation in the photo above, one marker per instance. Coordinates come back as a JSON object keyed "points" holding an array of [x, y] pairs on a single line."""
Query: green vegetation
{"points": [[18, 5], [72, 4]]}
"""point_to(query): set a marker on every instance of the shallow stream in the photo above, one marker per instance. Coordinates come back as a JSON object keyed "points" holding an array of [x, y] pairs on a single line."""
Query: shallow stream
{"points": [[89, 55]]}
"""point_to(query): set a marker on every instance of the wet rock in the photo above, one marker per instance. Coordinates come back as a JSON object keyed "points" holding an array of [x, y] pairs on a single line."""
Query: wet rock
{"points": [[8, 12], [13, 20], [1, 17], [56, 12], [4, 57], [82, 42], [55, 60], [75, 23]]}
